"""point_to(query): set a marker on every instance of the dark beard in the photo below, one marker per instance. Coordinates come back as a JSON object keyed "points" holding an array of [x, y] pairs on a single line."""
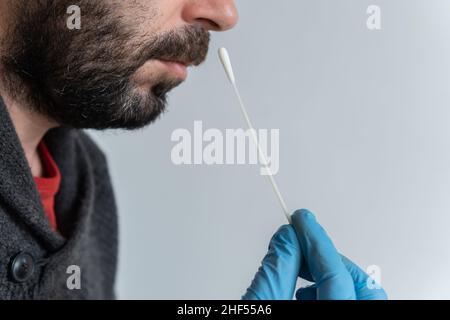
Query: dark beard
{"points": [[82, 78]]}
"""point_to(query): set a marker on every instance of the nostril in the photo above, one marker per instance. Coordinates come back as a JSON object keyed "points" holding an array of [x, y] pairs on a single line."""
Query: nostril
{"points": [[209, 24]]}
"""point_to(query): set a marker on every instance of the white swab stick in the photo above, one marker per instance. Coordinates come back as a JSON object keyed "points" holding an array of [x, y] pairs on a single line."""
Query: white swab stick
{"points": [[226, 62]]}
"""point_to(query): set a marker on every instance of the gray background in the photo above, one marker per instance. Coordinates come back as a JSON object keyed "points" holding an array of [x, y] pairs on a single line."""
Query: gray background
{"points": [[365, 143]]}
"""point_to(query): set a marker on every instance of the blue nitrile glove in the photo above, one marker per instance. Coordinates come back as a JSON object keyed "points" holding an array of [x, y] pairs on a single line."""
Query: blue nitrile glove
{"points": [[335, 276], [277, 277], [304, 249]]}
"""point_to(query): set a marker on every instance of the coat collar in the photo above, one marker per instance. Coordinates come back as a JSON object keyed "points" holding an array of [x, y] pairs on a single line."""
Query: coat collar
{"points": [[18, 192]]}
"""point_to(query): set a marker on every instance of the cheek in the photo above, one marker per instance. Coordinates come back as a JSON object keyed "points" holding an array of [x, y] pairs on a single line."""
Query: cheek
{"points": [[170, 13], [155, 15], [143, 16]]}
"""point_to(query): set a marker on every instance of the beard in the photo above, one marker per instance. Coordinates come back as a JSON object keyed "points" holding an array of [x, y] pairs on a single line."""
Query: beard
{"points": [[84, 78]]}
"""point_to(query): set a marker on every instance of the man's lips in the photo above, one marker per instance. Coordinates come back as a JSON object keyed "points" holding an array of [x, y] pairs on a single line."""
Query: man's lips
{"points": [[153, 69], [177, 68]]}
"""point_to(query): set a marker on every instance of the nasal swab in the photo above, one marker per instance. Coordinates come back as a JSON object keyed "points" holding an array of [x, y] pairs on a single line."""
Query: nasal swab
{"points": [[226, 62]]}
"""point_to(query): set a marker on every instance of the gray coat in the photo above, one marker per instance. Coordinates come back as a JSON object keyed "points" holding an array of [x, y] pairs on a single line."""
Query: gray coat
{"points": [[37, 262]]}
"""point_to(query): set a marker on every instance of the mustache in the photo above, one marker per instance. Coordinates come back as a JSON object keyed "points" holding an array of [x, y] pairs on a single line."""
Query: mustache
{"points": [[188, 45]]}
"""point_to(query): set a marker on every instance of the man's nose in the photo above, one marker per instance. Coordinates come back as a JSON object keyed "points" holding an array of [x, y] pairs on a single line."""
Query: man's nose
{"points": [[216, 15]]}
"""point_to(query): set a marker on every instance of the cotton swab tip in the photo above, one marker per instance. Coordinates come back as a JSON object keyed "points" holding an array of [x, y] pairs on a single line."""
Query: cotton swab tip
{"points": [[226, 62]]}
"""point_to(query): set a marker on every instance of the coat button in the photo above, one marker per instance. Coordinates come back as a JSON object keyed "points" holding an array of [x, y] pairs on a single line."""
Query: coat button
{"points": [[22, 267]]}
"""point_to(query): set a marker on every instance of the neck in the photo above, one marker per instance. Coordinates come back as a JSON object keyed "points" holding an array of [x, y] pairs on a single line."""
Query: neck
{"points": [[31, 128]]}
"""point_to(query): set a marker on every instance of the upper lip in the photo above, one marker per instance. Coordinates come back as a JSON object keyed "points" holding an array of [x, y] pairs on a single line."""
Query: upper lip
{"points": [[184, 62]]}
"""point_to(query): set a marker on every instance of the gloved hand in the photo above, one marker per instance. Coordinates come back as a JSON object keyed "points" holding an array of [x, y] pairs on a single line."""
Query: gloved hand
{"points": [[304, 249]]}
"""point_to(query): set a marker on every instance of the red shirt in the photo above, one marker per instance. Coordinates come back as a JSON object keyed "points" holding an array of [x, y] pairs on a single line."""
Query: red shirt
{"points": [[48, 185]]}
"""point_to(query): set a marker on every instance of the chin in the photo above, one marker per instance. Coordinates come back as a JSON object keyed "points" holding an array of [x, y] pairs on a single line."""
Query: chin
{"points": [[140, 112]]}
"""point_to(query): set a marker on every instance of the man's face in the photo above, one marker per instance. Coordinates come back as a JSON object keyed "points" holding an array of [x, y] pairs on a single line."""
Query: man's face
{"points": [[115, 71]]}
